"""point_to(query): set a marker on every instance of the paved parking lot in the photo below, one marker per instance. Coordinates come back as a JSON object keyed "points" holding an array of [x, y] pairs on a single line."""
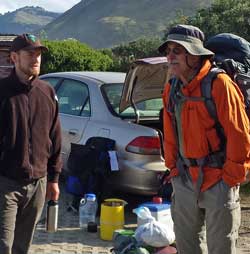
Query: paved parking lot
{"points": [[69, 239]]}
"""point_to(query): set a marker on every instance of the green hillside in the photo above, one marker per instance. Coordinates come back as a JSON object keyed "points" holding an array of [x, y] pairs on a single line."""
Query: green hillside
{"points": [[26, 19], [106, 23]]}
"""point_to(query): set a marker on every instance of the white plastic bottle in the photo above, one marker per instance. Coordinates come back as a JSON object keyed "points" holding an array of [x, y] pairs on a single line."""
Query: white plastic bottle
{"points": [[87, 210]]}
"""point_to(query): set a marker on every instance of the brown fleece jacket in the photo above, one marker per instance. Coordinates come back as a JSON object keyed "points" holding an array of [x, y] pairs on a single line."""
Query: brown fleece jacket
{"points": [[30, 132]]}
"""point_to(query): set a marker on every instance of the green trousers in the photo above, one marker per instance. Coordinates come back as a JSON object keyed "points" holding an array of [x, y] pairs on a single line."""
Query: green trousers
{"points": [[21, 205], [207, 223]]}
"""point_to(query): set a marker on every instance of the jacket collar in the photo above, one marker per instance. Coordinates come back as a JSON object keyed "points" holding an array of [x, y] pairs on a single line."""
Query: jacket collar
{"points": [[19, 86], [191, 86]]}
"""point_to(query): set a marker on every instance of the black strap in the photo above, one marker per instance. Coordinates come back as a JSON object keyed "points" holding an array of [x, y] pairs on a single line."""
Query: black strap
{"points": [[213, 160]]}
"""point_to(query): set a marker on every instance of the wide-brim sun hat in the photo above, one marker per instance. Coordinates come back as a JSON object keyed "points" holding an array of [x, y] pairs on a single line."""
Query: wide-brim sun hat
{"points": [[190, 37]]}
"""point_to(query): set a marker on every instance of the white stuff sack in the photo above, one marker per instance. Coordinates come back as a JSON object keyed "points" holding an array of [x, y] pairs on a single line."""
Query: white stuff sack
{"points": [[152, 232]]}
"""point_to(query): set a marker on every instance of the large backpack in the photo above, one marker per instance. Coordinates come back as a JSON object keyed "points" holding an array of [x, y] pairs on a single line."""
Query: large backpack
{"points": [[232, 55]]}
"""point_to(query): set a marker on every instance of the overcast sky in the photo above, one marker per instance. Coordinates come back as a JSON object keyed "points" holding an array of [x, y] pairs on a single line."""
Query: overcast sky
{"points": [[49, 5]]}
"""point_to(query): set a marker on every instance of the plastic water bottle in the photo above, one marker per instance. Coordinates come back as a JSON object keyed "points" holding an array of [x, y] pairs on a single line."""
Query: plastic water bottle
{"points": [[87, 210]]}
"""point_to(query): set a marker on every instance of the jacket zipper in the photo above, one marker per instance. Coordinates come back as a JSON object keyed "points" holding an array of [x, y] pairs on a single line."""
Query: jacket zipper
{"points": [[29, 131]]}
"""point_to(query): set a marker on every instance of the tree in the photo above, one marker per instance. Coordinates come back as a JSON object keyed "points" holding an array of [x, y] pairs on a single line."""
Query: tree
{"points": [[223, 16], [231, 16], [71, 55], [180, 19], [124, 54]]}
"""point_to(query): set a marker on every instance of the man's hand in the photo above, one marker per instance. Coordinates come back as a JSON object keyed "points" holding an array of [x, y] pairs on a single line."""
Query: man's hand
{"points": [[53, 191], [165, 177]]}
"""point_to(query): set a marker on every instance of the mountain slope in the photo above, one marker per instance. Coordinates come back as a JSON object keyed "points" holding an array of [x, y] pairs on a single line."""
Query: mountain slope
{"points": [[105, 23], [26, 19]]}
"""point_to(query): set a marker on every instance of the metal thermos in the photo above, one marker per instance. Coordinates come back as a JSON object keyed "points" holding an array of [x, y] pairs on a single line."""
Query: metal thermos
{"points": [[52, 216]]}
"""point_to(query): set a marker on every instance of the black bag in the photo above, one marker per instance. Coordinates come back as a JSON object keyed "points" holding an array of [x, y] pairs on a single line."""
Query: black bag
{"points": [[229, 46], [90, 163], [101, 143], [81, 160], [101, 146], [81, 164], [232, 55]]}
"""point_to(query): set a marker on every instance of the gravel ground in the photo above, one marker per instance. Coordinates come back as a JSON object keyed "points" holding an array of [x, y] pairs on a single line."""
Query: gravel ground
{"points": [[244, 234], [69, 239]]}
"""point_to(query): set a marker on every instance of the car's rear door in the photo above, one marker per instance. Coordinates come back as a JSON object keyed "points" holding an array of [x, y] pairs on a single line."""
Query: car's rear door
{"points": [[74, 110]]}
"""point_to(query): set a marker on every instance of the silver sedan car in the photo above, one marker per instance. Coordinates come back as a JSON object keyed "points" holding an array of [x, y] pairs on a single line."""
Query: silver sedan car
{"points": [[89, 106]]}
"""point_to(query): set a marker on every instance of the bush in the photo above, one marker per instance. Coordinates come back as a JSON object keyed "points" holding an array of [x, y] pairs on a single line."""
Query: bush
{"points": [[72, 55]]}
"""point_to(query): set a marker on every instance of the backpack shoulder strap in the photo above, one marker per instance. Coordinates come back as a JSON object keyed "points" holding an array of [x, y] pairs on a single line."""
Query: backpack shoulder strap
{"points": [[206, 91], [174, 87]]}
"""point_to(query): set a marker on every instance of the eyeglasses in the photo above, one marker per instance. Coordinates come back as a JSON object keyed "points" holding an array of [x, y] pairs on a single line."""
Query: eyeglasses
{"points": [[175, 51]]}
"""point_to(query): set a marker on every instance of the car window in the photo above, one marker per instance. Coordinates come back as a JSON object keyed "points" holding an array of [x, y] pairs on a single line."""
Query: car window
{"points": [[148, 108], [52, 81], [73, 98], [113, 94]]}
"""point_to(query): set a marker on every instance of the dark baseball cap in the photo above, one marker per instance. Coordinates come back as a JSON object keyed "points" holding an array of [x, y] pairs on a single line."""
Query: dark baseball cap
{"points": [[26, 42]]}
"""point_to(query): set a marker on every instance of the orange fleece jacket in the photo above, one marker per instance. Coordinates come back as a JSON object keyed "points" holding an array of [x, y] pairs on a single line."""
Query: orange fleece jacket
{"points": [[198, 132]]}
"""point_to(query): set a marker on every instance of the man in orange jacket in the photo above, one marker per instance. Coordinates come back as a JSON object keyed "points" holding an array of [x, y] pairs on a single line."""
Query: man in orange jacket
{"points": [[205, 177]]}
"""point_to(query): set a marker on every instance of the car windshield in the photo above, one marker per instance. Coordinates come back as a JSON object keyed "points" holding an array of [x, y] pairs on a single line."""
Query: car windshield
{"points": [[148, 108]]}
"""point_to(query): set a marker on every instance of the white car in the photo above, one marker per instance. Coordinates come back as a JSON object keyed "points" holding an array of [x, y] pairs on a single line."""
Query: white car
{"points": [[98, 104]]}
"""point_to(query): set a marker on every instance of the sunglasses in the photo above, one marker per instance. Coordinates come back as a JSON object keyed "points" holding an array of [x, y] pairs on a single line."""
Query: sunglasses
{"points": [[175, 51]]}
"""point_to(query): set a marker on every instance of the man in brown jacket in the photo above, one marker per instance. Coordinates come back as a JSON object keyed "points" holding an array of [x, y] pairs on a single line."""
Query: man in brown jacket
{"points": [[30, 146], [205, 174]]}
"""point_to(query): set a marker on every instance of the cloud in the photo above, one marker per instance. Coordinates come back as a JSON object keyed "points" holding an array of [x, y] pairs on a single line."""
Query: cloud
{"points": [[6, 6], [49, 5]]}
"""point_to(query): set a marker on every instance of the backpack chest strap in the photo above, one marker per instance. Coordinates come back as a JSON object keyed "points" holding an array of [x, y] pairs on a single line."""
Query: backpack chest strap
{"points": [[213, 160]]}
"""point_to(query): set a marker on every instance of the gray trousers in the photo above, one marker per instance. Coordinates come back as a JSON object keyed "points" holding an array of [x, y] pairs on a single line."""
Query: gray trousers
{"points": [[20, 208], [209, 223]]}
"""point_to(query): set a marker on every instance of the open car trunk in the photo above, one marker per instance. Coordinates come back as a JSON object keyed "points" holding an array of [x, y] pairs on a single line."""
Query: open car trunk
{"points": [[145, 81]]}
